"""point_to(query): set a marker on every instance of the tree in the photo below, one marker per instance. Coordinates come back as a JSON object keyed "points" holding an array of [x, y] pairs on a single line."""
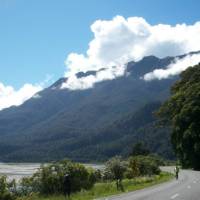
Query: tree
{"points": [[140, 149], [133, 169], [182, 112], [116, 167]]}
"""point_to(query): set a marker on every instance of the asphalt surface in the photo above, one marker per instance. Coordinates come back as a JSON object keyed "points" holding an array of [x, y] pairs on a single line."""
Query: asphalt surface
{"points": [[187, 187]]}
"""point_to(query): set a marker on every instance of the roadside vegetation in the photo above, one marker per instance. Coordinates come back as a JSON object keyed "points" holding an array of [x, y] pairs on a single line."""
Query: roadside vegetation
{"points": [[104, 189], [119, 175], [182, 112]]}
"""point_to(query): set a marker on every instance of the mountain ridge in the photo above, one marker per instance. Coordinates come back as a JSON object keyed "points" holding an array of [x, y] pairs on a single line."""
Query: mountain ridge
{"points": [[58, 123]]}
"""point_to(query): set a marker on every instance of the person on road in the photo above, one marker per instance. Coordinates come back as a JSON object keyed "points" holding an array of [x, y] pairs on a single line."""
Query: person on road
{"points": [[67, 186], [176, 171]]}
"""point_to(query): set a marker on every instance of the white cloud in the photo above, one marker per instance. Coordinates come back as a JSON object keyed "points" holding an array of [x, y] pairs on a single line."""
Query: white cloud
{"points": [[83, 83], [174, 68], [120, 40], [9, 96]]}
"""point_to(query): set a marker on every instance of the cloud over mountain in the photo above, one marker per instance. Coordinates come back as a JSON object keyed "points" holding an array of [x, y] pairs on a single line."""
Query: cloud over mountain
{"points": [[174, 68], [120, 40], [109, 73], [9, 96]]}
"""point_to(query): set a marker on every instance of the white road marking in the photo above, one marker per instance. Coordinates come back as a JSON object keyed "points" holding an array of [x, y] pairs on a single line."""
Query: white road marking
{"points": [[194, 182], [189, 187], [174, 196]]}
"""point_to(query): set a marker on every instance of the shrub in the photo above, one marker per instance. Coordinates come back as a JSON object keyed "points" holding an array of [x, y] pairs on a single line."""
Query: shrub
{"points": [[7, 189], [115, 169], [50, 178], [143, 165], [133, 169], [98, 175]]}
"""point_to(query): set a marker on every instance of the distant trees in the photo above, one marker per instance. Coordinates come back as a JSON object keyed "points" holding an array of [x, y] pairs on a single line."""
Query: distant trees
{"points": [[140, 149], [182, 112]]}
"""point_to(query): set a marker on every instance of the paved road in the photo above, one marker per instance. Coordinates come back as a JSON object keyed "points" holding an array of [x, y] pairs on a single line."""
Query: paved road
{"points": [[186, 188]]}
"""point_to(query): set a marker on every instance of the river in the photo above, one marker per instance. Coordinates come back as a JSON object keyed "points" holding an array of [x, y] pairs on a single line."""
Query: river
{"points": [[17, 171]]}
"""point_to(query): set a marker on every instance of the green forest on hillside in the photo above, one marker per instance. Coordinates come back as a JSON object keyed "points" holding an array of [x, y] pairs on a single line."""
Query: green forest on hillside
{"points": [[90, 125]]}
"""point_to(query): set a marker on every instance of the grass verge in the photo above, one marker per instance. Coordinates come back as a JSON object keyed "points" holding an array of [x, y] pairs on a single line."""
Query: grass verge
{"points": [[107, 189]]}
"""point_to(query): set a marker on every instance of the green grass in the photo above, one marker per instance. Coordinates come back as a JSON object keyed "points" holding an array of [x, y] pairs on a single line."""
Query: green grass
{"points": [[107, 189]]}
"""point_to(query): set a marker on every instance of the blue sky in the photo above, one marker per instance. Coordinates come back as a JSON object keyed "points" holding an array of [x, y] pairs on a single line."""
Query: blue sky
{"points": [[36, 36]]}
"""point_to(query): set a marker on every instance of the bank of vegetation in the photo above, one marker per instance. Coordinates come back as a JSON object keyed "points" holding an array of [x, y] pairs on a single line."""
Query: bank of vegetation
{"points": [[182, 112], [118, 176]]}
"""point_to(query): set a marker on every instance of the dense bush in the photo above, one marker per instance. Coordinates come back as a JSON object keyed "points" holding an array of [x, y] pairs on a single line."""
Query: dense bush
{"points": [[50, 178], [115, 169], [142, 166], [7, 189]]}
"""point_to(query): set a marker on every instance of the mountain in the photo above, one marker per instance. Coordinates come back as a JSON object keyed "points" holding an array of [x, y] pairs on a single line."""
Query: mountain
{"points": [[92, 124]]}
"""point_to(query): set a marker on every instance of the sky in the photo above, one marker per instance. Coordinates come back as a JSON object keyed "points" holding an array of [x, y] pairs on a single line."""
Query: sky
{"points": [[41, 41]]}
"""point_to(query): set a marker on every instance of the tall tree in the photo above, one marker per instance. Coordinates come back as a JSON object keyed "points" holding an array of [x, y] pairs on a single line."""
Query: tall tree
{"points": [[182, 111], [140, 149]]}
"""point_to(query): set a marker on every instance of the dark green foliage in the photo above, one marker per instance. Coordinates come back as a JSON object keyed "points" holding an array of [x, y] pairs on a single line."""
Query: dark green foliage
{"points": [[133, 169], [100, 144], [116, 168], [50, 178], [98, 175], [182, 111], [143, 165], [7, 189], [140, 149]]}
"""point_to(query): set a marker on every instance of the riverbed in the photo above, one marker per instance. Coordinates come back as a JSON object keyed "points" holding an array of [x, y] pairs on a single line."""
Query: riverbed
{"points": [[18, 171]]}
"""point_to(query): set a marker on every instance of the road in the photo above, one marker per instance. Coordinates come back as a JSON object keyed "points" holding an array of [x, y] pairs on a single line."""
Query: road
{"points": [[186, 188]]}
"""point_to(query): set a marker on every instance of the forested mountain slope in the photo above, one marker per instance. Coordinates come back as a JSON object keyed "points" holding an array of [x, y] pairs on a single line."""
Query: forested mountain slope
{"points": [[88, 124]]}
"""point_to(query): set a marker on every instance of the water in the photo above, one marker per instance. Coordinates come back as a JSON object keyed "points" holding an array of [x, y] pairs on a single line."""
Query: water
{"points": [[18, 171]]}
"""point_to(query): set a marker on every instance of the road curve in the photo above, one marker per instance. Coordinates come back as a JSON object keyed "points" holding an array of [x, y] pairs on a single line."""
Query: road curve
{"points": [[186, 188]]}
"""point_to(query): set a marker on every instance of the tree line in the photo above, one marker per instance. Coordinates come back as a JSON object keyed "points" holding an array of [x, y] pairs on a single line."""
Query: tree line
{"points": [[49, 179]]}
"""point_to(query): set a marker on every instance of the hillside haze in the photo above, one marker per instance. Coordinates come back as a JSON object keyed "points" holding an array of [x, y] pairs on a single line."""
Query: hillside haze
{"points": [[92, 124]]}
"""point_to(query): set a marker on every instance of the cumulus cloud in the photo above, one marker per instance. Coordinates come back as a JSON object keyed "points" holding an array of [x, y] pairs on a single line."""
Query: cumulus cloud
{"points": [[121, 40], [9, 96], [174, 68]]}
